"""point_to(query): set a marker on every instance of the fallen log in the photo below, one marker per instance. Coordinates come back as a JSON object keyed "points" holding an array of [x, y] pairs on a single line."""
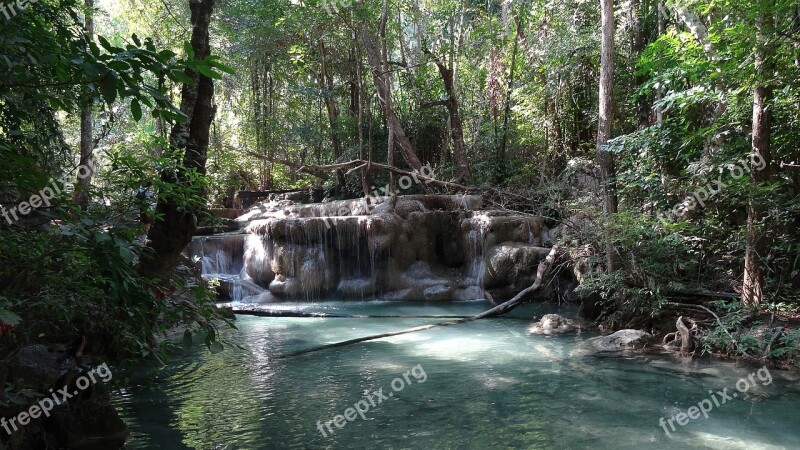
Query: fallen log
{"points": [[708, 294], [541, 273]]}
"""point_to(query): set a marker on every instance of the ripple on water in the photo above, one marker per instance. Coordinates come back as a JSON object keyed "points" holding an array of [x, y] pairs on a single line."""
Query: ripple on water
{"points": [[489, 385]]}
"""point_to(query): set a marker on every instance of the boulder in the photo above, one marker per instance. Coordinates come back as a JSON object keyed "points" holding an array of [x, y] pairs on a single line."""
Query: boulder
{"points": [[469, 293], [403, 295], [356, 287], [438, 293], [513, 264], [552, 324], [288, 287], [258, 259], [621, 340], [36, 365]]}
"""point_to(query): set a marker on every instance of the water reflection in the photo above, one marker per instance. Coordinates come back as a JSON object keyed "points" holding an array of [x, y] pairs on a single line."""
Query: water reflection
{"points": [[490, 385]]}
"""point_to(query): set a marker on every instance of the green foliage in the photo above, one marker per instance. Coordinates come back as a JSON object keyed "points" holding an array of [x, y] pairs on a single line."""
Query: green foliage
{"points": [[81, 275], [16, 393]]}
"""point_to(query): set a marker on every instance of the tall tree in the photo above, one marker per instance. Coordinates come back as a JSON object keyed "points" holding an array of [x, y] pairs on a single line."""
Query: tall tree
{"points": [[325, 81], [169, 236], [456, 124], [501, 154], [756, 245], [81, 194], [380, 79], [606, 121]]}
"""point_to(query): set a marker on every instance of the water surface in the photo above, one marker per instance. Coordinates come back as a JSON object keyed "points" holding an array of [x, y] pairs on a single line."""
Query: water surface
{"points": [[487, 384]]}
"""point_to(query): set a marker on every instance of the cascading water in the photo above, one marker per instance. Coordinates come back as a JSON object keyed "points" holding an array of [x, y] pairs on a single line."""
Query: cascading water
{"points": [[433, 248], [478, 227], [215, 258], [222, 259]]}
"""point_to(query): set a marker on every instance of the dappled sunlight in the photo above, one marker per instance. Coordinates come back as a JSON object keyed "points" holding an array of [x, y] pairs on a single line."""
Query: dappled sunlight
{"points": [[536, 395]]}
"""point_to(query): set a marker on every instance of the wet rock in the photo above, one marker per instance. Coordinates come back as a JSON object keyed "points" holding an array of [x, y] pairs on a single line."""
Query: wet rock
{"points": [[469, 293], [621, 340], [356, 288], [36, 365], [552, 324], [260, 299], [258, 260], [513, 264], [438, 293], [226, 312], [428, 244], [287, 287], [86, 421], [405, 207], [235, 289], [420, 277], [403, 295]]}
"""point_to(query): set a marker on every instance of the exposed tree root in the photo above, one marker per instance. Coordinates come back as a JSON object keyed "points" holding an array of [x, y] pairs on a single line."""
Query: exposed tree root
{"points": [[687, 338], [695, 331], [687, 344], [542, 272]]}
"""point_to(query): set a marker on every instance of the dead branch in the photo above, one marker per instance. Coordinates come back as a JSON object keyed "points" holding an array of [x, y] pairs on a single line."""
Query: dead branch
{"points": [[359, 163], [309, 170], [428, 105]]}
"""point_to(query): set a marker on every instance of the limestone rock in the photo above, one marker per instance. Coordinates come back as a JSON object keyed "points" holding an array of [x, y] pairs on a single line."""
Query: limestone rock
{"points": [[37, 365], [356, 288], [429, 247], [513, 263], [399, 296], [552, 324], [287, 287], [621, 340], [438, 293], [469, 293]]}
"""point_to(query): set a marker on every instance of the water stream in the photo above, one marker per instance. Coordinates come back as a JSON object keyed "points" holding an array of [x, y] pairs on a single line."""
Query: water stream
{"points": [[486, 384]]}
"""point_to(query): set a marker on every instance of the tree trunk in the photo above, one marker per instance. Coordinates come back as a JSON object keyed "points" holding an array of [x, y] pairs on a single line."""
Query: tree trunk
{"points": [[456, 125], [604, 128], [501, 156], [84, 182], [662, 29], [169, 236], [360, 98], [384, 95], [756, 244], [387, 82], [638, 45], [326, 88]]}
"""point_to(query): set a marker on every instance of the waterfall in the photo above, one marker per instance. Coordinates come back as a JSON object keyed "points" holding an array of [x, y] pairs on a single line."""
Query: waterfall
{"points": [[478, 229], [427, 247], [219, 255], [222, 259]]}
